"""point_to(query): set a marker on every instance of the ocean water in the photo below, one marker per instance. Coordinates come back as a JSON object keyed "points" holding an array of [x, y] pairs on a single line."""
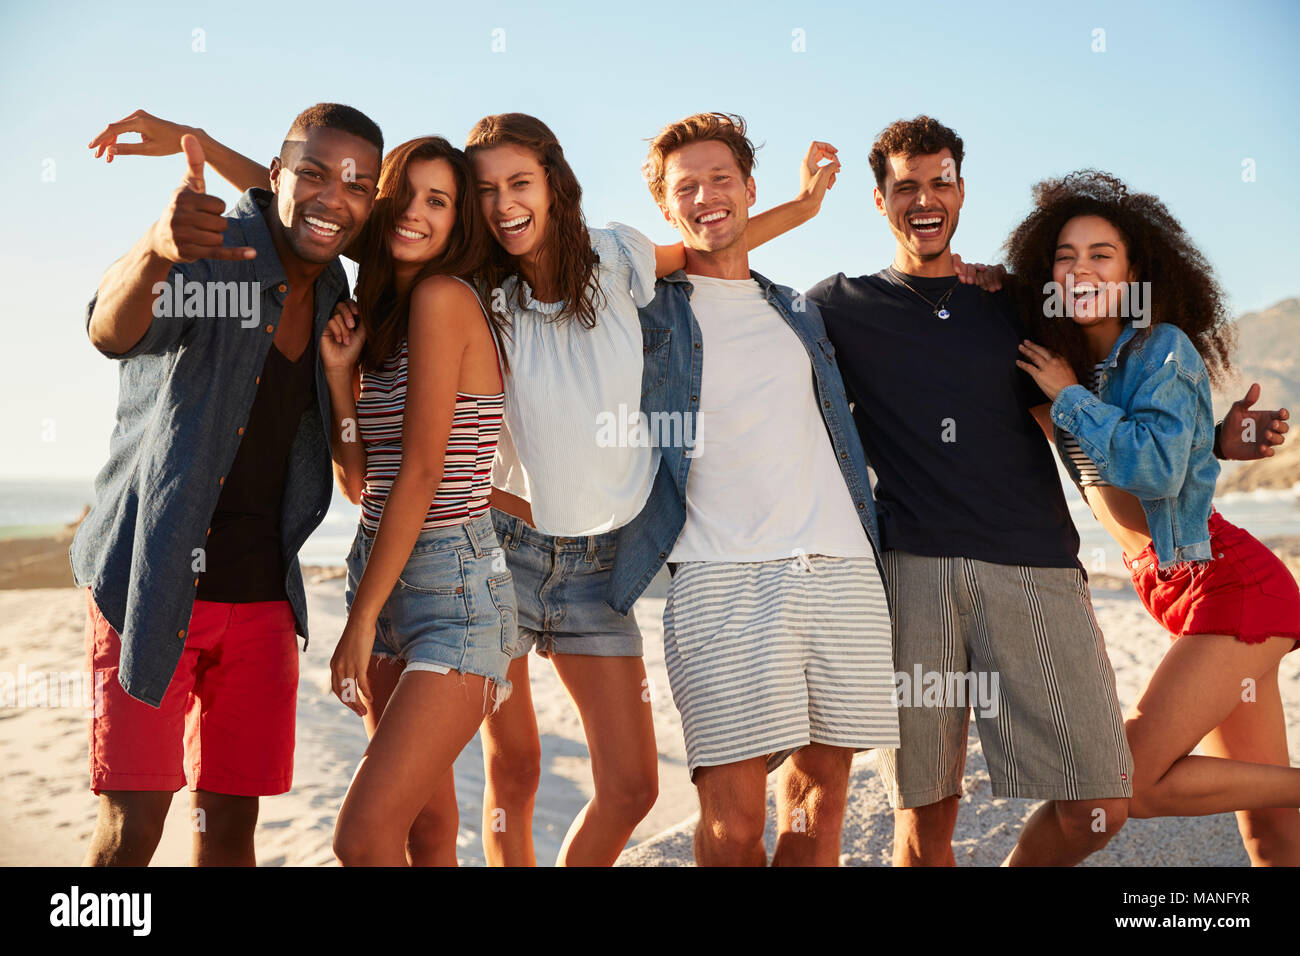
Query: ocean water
{"points": [[38, 507]]}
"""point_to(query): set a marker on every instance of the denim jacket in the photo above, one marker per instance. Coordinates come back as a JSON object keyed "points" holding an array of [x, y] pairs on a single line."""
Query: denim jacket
{"points": [[185, 392], [670, 384], [1150, 431]]}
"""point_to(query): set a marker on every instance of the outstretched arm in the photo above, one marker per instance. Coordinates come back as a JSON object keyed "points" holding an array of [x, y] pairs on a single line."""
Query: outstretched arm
{"points": [[814, 181], [159, 137]]}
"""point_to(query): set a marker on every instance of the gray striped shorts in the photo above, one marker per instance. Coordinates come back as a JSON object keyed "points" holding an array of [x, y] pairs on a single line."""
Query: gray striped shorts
{"points": [[766, 657], [1021, 647]]}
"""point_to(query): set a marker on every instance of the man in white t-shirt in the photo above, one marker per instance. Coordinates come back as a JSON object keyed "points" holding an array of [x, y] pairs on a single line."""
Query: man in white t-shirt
{"points": [[776, 629]]}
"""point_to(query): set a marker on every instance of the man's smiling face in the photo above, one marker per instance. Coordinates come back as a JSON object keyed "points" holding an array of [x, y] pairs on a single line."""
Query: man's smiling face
{"points": [[922, 198], [706, 197], [324, 189]]}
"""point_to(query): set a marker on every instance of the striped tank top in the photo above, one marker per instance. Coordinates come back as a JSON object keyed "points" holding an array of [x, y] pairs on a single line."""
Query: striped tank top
{"points": [[467, 466], [1088, 476]]}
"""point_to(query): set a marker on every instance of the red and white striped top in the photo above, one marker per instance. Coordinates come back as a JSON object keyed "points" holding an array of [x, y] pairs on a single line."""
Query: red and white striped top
{"points": [[471, 446]]}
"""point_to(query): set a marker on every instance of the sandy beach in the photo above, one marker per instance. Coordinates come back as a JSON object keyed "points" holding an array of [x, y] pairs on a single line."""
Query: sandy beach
{"points": [[47, 811]]}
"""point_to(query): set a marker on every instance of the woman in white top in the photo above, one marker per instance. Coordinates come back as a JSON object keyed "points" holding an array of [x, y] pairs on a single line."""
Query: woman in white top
{"points": [[562, 487]]}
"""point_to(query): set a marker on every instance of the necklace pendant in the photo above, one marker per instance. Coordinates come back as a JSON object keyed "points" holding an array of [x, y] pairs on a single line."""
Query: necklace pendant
{"points": [[943, 313]]}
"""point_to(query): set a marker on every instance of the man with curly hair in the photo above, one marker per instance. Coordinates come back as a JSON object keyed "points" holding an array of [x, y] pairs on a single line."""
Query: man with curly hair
{"points": [[981, 556]]}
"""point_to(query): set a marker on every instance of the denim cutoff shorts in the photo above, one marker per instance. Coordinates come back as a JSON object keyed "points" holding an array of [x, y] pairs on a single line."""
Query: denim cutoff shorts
{"points": [[560, 583], [453, 606]]}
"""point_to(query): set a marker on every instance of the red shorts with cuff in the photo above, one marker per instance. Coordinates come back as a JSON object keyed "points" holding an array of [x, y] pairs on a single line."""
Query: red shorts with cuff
{"points": [[1244, 591], [227, 720]]}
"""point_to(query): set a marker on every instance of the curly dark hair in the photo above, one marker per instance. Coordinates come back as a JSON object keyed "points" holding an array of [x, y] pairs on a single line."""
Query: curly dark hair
{"points": [[1184, 290], [919, 136]]}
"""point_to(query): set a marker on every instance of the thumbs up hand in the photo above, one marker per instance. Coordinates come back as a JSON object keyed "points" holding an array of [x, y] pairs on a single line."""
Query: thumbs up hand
{"points": [[192, 225]]}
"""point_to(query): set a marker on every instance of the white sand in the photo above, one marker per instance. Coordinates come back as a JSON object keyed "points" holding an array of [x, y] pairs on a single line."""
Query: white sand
{"points": [[47, 811]]}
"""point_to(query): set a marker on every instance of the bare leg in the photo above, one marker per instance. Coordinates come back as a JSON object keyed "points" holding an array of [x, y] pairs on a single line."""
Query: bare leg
{"points": [[812, 790], [923, 835], [512, 768], [223, 826], [608, 692], [1199, 684], [427, 723], [432, 838], [128, 828], [733, 813], [1066, 832], [1255, 732]]}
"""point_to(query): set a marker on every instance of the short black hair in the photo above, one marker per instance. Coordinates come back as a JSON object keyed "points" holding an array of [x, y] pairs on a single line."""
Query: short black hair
{"points": [[333, 116], [921, 136]]}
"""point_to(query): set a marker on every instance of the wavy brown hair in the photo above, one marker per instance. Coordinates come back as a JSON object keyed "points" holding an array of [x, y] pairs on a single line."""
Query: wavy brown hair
{"points": [[726, 128], [384, 314], [566, 244], [1184, 291]]}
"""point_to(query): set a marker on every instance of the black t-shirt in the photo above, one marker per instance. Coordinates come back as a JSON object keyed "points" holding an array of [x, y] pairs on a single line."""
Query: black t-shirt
{"points": [[244, 557], [962, 468]]}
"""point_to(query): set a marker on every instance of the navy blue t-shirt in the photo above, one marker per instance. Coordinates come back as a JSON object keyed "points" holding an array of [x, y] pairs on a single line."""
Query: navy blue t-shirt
{"points": [[962, 468]]}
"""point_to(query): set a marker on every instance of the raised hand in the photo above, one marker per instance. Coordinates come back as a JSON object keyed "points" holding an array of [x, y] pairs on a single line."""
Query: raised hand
{"points": [[341, 342], [1246, 434], [816, 177], [192, 226], [158, 137]]}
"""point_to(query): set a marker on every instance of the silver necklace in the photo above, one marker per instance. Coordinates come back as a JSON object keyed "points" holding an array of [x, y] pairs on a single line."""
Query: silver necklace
{"points": [[937, 307]]}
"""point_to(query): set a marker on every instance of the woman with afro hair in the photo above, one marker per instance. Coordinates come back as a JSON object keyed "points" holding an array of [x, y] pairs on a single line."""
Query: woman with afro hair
{"points": [[1129, 333]]}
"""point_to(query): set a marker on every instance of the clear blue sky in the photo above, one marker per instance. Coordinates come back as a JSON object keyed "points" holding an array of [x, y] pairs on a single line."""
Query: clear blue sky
{"points": [[1182, 94]]}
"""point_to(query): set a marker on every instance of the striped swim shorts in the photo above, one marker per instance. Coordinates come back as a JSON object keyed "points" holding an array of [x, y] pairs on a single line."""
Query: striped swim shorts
{"points": [[1020, 647], [766, 657]]}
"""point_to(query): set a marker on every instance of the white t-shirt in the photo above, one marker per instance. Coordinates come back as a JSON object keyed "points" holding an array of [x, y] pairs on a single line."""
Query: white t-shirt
{"points": [[764, 483], [565, 386]]}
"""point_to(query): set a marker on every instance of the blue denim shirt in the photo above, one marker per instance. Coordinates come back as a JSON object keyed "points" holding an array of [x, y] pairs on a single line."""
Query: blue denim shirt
{"points": [[670, 384], [185, 392], [1150, 431]]}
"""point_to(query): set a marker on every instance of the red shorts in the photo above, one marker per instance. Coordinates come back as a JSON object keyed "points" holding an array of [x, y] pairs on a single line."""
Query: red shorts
{"points": [[227, 720], [1245, 591]]}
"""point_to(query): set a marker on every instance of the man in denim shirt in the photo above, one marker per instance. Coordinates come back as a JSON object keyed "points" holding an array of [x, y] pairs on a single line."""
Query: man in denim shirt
{"points": [[776, 629], [219, 469]]}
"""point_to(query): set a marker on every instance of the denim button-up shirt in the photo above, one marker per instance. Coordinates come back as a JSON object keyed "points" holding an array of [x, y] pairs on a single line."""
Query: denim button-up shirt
{"points": [[1150, 431], [185, 393], [670, 385]]}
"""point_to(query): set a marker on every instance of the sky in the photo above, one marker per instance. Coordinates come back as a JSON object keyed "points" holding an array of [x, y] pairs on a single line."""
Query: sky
{"points": [[1195, 102]]}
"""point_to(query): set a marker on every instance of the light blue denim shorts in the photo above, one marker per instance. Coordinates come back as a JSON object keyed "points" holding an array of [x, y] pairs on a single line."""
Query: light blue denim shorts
{"points": [[453, 607], [560, 584]]}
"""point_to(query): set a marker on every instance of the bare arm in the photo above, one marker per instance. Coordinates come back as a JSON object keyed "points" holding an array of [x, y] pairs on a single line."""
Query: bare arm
{"points": [[340, 351], [442, 315], [814, 181], [1043, 415], [160, 137], [190, 229]]}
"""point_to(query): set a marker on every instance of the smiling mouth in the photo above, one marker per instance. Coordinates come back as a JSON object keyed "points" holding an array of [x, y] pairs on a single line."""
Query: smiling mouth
{"points": [[322, 227], [510, 228], [709, 218], [926, 226], [410, 234]]}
